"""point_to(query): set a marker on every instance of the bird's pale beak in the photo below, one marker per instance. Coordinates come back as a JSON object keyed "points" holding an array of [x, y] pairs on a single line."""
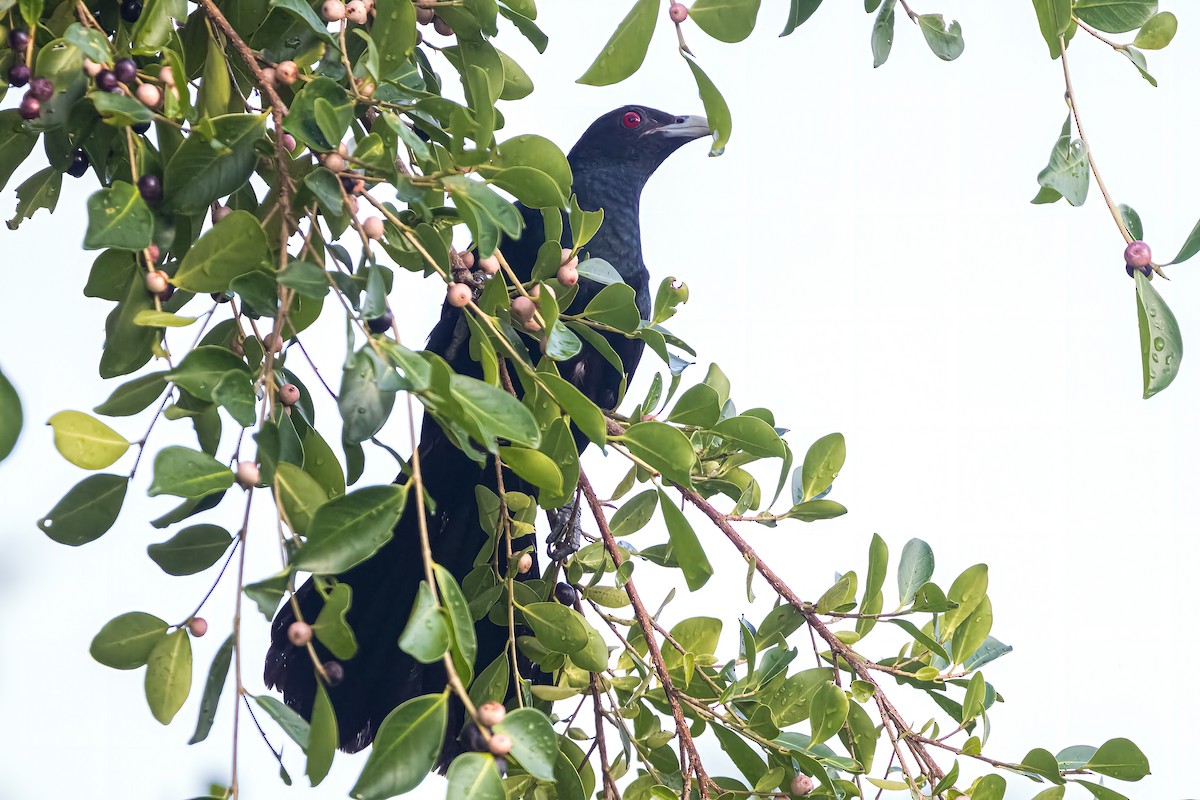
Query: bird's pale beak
{"points": [[690, 127]]}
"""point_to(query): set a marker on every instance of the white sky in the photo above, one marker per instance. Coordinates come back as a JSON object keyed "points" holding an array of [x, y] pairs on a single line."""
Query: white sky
{"points": [[863, 259]]}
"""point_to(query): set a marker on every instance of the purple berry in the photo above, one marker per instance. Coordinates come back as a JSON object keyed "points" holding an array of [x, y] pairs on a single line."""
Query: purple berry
{"points": [[30, 107], [18, 75], [79, 164], [1137, 254], [18, 40], [106, 80], [141, 127], [565, 593], [1129, 268], [41, 88], [380, 324], [131, 10], [150, 188], [334, 671], [125, 70]]}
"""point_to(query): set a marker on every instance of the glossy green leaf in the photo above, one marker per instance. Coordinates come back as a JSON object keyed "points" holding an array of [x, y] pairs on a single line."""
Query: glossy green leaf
{"points": [[968, 590], [215, 160], [213, 686], [192, 550], [87, 511], [11, 417], [751, 435], [304, 120], [322, 737], [798, 13], [473, 776], [716, 110], [989, 787], [1054, 20], [426, 637], [169, 675], [685, 546], [535, 467], [535, 745], [725, 20], [1115, 16], [183, 472], [626, 49], [883, 32], [664, 448], [331, 627], [406, 748], [635, 514], [348, 530], [557, 627], [828, 711], [972, 632], [462, 623], [699, 405], [125, 642], [1120, 759], [299, 495], [294, 725], [235, 246], [583, 412], [916, 567], [118, 218], [822, 463], [203, 368], [1066, 174], [40, 190], [86, 441], [1161, 340], [1132, 221], [946, 41], [840, 596], [16, 143], [1157, 32]]}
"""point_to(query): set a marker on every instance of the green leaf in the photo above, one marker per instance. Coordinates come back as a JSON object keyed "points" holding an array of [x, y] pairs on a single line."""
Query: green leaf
{"points": [[473, 776], [1120, 759], [1161, 341], [299, 495], [331, 627], [118, 218], [633, 516], [685, 546], [968, 590], [519, 158], [183, 472], [840, 596], [828, 711], [1115, 16], [751, 435], [294, 725], [535, 745], [725, 20], [1157, 33], [149, 318], [213, 686], [125, 642], [557, 627], [216, 159], [394, 32], [16, 143], [462, 623], [989, 787], [86, 441], [973, 700], [11, 417], [1191, 246], [303, 11], [87, 511], [822, 463], [495, 412], [1054, 19], [169, 675], [1067, 171], [348, 530], [337, 112], [971, 633], [40, 190], [916, 567], [192, 550], [584, 413], [266, 594], [798, 13], [1138, 60], [664, 448], [322, 737], [362, 401], [921, 637], [535, 467], [235, 246], [882, 33], [121, 110], [406, 749], [989, 651], [235, 394], [614, 305], [1132, 221], [306, 278], [626, 49], [716, 110], [946, 42], [203, 368]]}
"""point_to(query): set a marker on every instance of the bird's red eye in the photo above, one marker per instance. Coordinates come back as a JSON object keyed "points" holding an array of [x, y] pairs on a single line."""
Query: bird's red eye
{"points": [[631, 119]]}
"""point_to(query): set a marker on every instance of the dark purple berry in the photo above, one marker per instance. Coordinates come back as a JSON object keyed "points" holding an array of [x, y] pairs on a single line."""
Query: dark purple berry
{"points": [[125, 70], [141, 127], [41, 88], [150, 188], [131, 10], [472, 739], [334, 671], [381, 324], [501, 765], [106, 80], [565, 593], [1137, 254], [30, 107], [18, 40], [1129, 268], [18, 75], [79, 164]]}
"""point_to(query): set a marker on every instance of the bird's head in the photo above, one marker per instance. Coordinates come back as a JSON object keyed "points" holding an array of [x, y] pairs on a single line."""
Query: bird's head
{"points": [[635, 140]]}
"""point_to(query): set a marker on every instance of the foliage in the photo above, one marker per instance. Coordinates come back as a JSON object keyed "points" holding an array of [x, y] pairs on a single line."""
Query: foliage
{"points": [[255, 238]]}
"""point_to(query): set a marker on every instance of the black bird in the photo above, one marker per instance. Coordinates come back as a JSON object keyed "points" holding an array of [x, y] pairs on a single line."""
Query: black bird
{"points": [[610, 165]]}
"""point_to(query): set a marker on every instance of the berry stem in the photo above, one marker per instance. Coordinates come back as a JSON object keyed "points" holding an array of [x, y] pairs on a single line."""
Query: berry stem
{"points": [[1112, 207]]}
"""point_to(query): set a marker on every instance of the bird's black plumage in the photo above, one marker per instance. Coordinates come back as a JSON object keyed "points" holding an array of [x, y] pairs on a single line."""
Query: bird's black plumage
{"points": [[610, 165]]}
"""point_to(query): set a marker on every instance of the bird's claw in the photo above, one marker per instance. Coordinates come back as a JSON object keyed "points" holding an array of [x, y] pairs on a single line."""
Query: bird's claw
{"points": [[565, 530]]}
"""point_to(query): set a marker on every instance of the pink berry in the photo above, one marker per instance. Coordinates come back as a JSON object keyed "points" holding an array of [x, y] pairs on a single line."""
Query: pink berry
{"points": [[356, 12], [491, 713], [568, 275], [248, 474], [153, 253], [424, 15], [523, 308], [150, 95], [299, 633], [524, 564], [490, 265], [334, 162], [287, 73], [157, 282], [289, 394], [441, 26], [221, 212], [272, 343], [802, 785], [569, 260], [500, 744], [458, 295], [167, 76], [373, 227], [467, 258], [289, 142], [1137, 254], [333, 10], [91, 68], [678, 12], [198, 626]]}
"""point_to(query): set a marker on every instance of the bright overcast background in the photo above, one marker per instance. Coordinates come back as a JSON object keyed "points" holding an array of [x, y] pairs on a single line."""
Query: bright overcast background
{"points": [[863, 259]]}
